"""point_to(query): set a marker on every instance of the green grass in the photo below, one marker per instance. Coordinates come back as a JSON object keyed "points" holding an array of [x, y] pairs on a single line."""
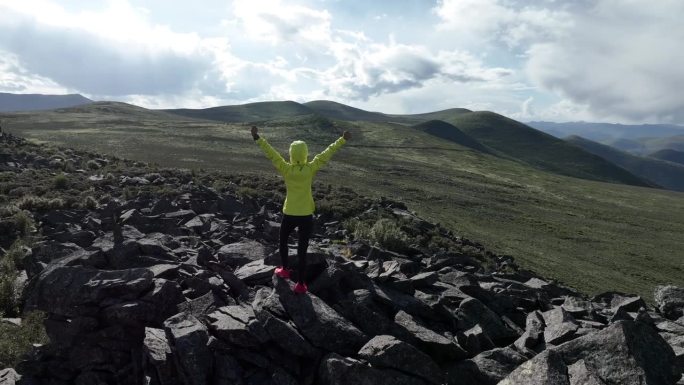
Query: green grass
{"points": [[17, 340], [591, 235]]}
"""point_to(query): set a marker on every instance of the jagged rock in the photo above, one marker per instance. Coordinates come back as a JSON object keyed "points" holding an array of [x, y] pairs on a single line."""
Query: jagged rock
{"points": [[255, 272], [670, 301], [475, 341], [158, 359], [440, 348], [560, 326], [189, 338], [400, 301], [546, 368], [577, 307], [231, 324], [203, 305], [9, 377], [318, 322], [75, 291], [626, 353], [359, 308], [472, 312], [338, 370], [283, 332], [424, 279], [241, 253], [534, 332], [386, 351], [153, 308], [487, 368], [580, 374]]}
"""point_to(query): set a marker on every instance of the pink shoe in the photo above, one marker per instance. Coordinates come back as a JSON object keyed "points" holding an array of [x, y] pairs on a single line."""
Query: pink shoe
{"points": [[300, 288], [282, 272]]}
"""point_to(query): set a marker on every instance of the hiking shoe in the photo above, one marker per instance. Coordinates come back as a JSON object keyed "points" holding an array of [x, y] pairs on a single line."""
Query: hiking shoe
{"points": [[282, 272], [300, 288]]}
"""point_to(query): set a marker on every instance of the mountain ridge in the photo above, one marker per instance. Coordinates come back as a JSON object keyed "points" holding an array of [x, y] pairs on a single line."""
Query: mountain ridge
{"points": [[10, 102]]}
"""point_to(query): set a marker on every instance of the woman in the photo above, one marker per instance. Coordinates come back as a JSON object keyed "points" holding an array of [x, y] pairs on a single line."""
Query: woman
{"points": [[299, 205]]}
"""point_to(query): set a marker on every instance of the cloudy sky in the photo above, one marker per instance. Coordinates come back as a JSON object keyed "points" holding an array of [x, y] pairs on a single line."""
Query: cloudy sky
{"points": [[596, 60]]}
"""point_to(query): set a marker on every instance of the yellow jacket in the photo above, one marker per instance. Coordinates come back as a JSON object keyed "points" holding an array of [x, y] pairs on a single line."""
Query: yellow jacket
{"points": [[299, 173]]}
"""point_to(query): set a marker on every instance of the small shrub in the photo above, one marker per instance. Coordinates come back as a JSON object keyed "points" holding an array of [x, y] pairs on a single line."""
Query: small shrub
{"points": [[384, 233], [34, 203], [60, 182], [89, 202], [246, 192], [23, 223], [92, 165]]}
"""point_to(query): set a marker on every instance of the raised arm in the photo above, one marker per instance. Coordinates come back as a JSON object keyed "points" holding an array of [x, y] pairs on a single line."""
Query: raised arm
{"points": [[271, 153], [321, 159]]}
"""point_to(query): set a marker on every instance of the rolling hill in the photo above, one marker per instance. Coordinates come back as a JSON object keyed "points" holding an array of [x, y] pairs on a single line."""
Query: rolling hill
{"points": [[669, 155], [663, 173], [505, 136], [33, 102], [588, 234], [252, 112], [538, 149]]}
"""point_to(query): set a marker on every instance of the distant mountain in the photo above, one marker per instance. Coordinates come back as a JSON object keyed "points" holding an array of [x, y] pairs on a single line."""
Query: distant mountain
{"points": [[33, 102], [444, 115], [669, 155], [451, 133], [519, 141], [601, 132], [251, 112], [663, 173]]}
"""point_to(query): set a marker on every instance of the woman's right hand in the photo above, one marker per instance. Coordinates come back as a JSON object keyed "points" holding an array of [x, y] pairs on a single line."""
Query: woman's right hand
{"points": [[346, 135]]}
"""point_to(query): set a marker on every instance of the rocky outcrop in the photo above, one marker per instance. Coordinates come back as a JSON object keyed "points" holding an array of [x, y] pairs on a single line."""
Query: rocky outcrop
{"points": [[180, 290]]}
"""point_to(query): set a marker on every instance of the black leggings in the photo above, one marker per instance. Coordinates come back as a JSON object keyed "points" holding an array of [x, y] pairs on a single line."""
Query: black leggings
{"points": [[305, 226]]}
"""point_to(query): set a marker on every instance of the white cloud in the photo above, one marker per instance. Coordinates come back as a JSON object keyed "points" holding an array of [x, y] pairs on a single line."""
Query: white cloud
{"points": [[514, 23], [621, 59]]}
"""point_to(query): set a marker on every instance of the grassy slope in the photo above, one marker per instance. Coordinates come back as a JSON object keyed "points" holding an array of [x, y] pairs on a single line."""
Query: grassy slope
{"points": [[444, 130], [667, 174], [594, 236]]}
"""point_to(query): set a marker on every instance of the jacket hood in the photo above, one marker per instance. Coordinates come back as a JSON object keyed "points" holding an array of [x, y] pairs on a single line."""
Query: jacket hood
{"points": [[298, 152]]}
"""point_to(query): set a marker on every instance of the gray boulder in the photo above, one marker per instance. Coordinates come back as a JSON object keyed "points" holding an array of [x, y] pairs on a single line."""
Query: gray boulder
{"points": [[386, 351], [9, 377], [318, 322], [670, 301], [546, 368], [74, 291], [158, 359], [240, 253], [189, 338], [534, 332], [487, 368], [626, 353], [472, 312], [580, 374], [560, 326], [437, 346], [231, 324], [337, 370]]}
